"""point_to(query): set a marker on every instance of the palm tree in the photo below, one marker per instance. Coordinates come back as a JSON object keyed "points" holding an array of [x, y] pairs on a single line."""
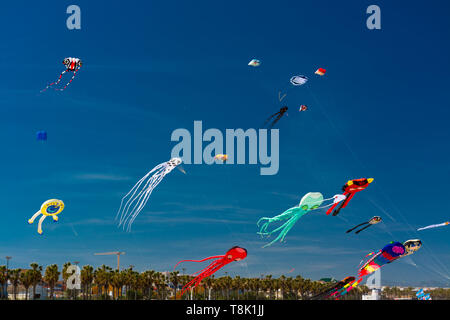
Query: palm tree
{"points": [[236, 284], [26, 278], [102, 278], [118, 279], [268, 285], [36, 276], [208, 283], [147, 278], [14, 276], [160, 283], [174, 278], [282, 285], [65, 276], [51, 277], [136, 283], [3, 281], [87, 277]]}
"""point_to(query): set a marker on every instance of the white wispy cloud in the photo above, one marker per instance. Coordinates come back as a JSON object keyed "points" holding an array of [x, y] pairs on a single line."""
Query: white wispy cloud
{"points": [[100, 177]]}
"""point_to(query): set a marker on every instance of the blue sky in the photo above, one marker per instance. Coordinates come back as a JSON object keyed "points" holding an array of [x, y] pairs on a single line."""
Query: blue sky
{"points": [[149, 68]]}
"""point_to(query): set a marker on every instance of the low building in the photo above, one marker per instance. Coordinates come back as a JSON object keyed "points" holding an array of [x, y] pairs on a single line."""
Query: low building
{"points": [[374, 295]]}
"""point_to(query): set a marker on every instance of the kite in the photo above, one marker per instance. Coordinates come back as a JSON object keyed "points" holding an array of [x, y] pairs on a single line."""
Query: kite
{"points": [[138, 196], [299, 80], [50, 208], [427, 297], [390, 252], [334, 289], [222, 157], [420, 294], [295, 81], [371, 222], [303, 108], [234, 254], [72, 65], [320, 71], [254, 63], [435, 226], [350, 188], [310, 201], [41, 136], [279, 114]]}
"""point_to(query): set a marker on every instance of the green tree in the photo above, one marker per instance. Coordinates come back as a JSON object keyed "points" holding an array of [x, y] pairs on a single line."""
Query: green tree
{"points": [[87, 277], [14, 276], [26, 279], [36, 272], [51, 277]]}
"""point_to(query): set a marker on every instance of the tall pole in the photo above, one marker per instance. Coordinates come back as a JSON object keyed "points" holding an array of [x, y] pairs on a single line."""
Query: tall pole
{"points": [[118, 261], [7, 272]]}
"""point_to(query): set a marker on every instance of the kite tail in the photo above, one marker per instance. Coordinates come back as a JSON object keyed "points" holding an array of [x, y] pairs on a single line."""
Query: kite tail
{"points": [[213, 267], [139, 196], [134, 190], [40, 224], [286, 227], [363, 229], [346, 289], [74, 74], [359, 225], [209, 258], [369, 254], [30, 221], [54, 82], [434, 226]]}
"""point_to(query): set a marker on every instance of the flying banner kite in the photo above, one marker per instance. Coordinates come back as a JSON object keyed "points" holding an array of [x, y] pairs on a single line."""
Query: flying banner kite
{"points": [[334, 289], [390, 252], [435, 226]]}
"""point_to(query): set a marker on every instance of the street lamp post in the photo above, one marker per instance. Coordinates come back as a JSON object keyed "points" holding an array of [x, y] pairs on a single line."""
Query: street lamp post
{"points": [[7, 273]]}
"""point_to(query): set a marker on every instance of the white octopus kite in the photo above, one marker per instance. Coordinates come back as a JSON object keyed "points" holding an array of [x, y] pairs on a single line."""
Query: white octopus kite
{"points": [[138, 196]]}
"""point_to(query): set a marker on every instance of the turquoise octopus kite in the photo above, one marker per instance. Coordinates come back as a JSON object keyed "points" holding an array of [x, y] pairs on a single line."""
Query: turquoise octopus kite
{"points": [[310, 201]]}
